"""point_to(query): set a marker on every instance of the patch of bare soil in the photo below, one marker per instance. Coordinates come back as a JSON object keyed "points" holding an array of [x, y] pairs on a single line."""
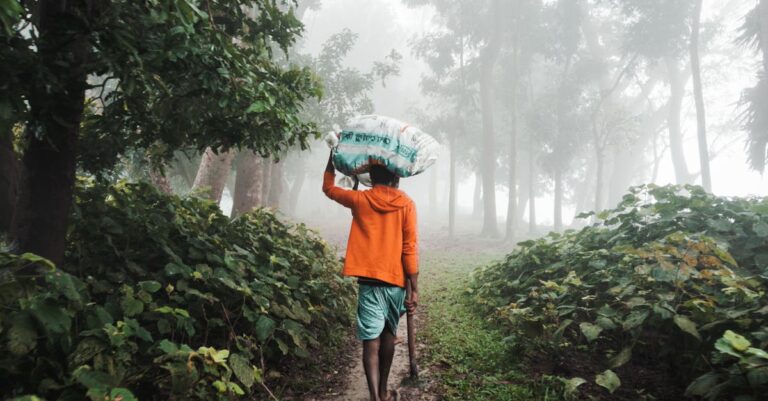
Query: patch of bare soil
{"points": [[351, 381]]}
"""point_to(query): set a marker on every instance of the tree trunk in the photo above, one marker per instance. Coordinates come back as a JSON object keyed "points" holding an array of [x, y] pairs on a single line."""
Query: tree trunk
{"points": [[266, 180], [277, 185], [600, 161], [677, 91], [764, 33], [511, 223], [49, 162], [298, 184], [248, 183], [701, 121], [433, 207], [452, 188], [523, 190], [558, 213], [213, 173], [9, 180], [531, 189], [160, 181], [488, 159], [631, 159], [477, 197], [185, 167]]}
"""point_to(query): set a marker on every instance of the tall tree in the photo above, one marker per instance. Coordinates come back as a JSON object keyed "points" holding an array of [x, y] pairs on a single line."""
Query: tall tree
{"points": [[178, 79], [488, 56], [49, 160], [660, 31], [212, 173], [9, 180], [452, 59], [701, 119], [248, 192], [754, 34]]}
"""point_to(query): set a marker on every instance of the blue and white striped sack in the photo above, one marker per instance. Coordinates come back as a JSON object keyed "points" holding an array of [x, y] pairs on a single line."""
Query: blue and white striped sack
{"points": [[371, 139]]}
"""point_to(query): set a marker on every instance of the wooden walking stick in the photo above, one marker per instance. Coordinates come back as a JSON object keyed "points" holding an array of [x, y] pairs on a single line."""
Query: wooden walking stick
{"points": [[411, 336]]}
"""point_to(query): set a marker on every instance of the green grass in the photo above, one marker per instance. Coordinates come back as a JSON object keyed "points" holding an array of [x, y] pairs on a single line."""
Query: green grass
{"points": [[467, 356]]}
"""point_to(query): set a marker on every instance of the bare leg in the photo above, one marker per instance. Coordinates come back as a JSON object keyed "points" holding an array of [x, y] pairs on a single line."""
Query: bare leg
{"points": [[371, 366], [386, 352]]}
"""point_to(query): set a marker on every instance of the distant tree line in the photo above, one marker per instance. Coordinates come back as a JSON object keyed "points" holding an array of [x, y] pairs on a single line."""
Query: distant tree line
{"points": [[580, 98]]}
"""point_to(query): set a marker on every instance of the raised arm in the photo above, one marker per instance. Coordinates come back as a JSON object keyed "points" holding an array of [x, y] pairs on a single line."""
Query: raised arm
{"points": [[343, 196]]}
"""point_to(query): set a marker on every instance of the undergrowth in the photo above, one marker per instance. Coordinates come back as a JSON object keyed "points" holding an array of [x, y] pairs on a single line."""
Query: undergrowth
{"points": [[663, 298], [162, 297], [468, 357]]}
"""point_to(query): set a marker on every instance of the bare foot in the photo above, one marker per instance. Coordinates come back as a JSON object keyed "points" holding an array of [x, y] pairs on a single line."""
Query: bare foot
{"points": [[391, 396], [399, 340]]}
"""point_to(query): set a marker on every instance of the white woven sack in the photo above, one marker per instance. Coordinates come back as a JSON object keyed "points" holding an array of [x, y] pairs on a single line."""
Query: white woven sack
{"points": [[372, 139]]}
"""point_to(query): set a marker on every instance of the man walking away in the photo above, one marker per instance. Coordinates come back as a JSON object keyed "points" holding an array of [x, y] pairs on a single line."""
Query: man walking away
{"points": [[382, 254]]}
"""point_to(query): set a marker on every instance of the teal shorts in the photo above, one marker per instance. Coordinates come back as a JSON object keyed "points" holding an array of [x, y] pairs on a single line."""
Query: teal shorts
{"points": [[378, 307]]}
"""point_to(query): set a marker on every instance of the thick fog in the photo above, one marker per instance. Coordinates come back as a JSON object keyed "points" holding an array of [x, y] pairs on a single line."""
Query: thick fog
{"points": [[637, 76]]}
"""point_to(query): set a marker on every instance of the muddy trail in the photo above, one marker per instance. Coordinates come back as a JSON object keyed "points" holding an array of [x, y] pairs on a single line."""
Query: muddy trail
{"points": [[353, 387]]}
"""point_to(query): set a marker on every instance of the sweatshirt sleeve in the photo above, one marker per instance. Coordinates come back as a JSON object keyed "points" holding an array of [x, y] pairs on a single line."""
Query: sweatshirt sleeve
{"points": [[343, 196], [410, 242]]}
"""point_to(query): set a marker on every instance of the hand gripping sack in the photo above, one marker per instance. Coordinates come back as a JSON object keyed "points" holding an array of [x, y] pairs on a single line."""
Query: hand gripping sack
{"points": [[371, 139]]}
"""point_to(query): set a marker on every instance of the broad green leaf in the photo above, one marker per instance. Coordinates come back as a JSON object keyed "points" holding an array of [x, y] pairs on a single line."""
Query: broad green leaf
{"points": [[86, 349], [217, 356], [608, 380], [168, 347], [284, 348], [296, 331], [150, 286], [131, 306], [634, 319], [264, 328], [219, 386], [757, 353], [233, 387], [52, 316], [703, 385], [563, 325], [590, 331], [761, 229], [242, 368], [90, 378], [31, 257], [571, 385], [605, 323], [256, 107], [725, 347], [22, 336], [737, 341], [66, 284], [687, 326], [621, 358]]}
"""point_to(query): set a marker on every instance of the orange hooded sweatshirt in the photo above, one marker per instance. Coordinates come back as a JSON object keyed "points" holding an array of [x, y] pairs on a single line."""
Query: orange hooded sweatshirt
{"points": [[382, 239]]}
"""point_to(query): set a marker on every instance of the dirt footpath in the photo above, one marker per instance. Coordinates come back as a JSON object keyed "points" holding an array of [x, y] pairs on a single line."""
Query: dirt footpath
{"points": [[355, 387]]}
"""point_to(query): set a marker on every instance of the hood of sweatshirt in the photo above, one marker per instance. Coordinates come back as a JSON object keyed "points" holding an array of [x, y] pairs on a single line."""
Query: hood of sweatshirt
{"points": [[384, 199]]}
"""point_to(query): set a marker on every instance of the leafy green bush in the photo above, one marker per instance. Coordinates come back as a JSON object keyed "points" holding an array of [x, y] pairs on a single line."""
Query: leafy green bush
{"points": [[162, 297], [638, 303]]}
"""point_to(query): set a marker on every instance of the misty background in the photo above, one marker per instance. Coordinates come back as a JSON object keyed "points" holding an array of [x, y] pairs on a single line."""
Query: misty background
{"points": [[565, 80]]}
